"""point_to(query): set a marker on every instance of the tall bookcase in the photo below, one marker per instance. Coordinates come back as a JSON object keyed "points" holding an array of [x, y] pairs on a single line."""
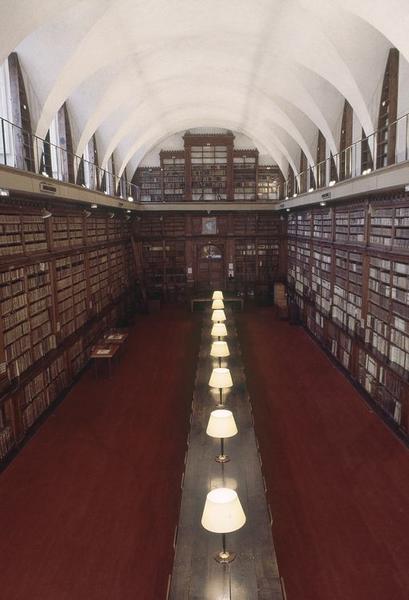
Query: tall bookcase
{"points": [[245, 174], [173, 175], [62, 281], [348, 271]]}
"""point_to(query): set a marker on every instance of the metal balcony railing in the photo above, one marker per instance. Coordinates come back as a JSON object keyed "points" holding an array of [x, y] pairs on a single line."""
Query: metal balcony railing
{"points": [[20, 149], [387, 146], [25, 151]]}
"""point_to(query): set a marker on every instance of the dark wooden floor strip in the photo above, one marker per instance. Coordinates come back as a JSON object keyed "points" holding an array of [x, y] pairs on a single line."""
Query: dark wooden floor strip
{"points": [[254, 574]]}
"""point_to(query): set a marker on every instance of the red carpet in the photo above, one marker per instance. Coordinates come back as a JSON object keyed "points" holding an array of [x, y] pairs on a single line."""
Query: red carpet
{"points": [[338, 479], [88, 508]]}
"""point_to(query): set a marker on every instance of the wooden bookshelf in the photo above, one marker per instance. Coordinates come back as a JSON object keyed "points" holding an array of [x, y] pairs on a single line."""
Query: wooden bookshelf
{"points": [[149, 180], [173, 175], [349, 274], [245, 175], [62, 280], [269, 179]]}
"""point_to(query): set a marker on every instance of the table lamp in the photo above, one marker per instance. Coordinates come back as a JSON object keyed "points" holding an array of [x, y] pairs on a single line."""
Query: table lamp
{"points": [[217, 304], [223, 514], [219, 330], [218, 316], [218, 295], [219, 350], [221, 425], [221, 378]]}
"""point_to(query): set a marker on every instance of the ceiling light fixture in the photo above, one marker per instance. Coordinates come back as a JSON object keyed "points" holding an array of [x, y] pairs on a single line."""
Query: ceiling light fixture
{"points": [[94, 205]]}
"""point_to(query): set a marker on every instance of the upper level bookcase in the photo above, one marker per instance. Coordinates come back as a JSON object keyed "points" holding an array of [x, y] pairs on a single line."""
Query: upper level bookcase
{"points": [[209, 168]]}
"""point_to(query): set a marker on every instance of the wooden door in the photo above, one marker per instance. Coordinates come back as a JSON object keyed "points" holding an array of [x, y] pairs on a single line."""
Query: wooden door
{"points": [[210, 267]]}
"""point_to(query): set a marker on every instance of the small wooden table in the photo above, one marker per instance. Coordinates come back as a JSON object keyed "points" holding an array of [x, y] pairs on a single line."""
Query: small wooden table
{"points": [[225, 300], [104, 352], [116, 337]]}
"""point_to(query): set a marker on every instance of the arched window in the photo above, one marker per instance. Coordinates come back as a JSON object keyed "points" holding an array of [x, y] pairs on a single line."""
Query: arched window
{"points": [[16, 142], [388, 108], [321, 150], [303, 173], [345, 145], [366, 154], [90, 162], [60, 160], [108, 181], [7, 154], [291, 182]]}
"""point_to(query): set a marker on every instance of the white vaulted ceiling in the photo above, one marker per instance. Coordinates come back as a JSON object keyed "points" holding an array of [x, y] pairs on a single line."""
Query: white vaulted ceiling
{"points": [[136, 72]]}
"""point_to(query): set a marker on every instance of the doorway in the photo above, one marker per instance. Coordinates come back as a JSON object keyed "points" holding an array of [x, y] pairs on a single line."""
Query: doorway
{"points": [[210, 267]]}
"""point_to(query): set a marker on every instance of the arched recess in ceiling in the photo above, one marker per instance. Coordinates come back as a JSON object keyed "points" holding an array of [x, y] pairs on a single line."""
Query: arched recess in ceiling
{"points": [[129, 69]]}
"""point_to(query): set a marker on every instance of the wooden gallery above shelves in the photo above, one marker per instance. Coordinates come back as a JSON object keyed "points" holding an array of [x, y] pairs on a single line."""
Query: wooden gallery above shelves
{"points": [[208, 169]]}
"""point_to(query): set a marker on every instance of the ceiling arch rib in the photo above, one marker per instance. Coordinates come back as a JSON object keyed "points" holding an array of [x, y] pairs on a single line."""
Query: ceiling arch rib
{"points": [[80, 67], [302, 44], [378, 15], [143, 115], [111, 99], [22, 21], [134, 130]]}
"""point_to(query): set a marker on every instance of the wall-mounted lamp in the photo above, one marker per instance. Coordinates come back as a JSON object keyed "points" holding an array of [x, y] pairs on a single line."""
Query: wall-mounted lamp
{"points": [[46, 214]]}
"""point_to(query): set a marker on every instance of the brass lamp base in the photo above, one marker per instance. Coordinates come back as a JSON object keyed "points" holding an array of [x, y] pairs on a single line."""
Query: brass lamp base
{"points": [[222, 458], [225, 557]]}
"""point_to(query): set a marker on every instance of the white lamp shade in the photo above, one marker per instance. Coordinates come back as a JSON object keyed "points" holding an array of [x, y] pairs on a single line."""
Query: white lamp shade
{"points": [[221, 424], [217, 304], [218, 295], [218, 316], [223, 512], [219, 350], [221, 378], [219, 330]]}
